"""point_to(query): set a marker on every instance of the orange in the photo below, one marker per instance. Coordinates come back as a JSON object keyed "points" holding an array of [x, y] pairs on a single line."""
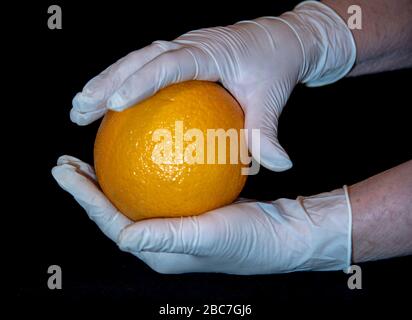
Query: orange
{"points": [[126, 155]]}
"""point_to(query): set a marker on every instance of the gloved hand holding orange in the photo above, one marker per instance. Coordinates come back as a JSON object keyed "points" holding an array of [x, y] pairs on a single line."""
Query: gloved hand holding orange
{"points": [[259, 62]]}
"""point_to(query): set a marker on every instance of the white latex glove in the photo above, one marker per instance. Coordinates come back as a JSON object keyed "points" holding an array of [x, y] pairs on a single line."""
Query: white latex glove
{"points": [[309, 233], [258, 61]]}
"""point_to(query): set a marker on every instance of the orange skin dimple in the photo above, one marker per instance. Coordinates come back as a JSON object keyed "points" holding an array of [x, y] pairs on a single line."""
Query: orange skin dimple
{"points": [[142, 189]]}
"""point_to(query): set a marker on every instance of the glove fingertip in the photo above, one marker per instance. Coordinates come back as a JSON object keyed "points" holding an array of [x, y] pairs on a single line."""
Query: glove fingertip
{"points": [[85, 118], [75, 101], [60, 174], [271, 155], [117, 102], [77, 118], [66, 159], [277, 164]]}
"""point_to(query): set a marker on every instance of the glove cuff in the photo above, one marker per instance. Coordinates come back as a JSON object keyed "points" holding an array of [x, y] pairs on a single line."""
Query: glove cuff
{"points": [[322, 232], [330, 216], [327, 43]]}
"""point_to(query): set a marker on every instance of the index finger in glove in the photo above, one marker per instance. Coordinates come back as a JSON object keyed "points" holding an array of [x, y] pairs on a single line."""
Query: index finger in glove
{"points": [[90, 103]]}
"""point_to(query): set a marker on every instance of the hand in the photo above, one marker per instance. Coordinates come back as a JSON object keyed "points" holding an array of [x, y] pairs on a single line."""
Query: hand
{"points": [[258, 61], [248, 237]]}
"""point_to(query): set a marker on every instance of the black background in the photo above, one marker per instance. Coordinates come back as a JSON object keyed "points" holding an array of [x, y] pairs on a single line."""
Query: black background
{"points": [[335, 135]]}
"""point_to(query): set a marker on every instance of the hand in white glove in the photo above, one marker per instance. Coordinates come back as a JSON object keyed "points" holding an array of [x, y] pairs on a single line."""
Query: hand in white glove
{"points": [[258, 61], [312, 233]]}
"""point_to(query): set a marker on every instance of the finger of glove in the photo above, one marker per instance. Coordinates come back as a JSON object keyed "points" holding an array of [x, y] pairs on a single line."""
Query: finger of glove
{"points": [[187, 63], [176, 263], [83, 167], [188, 235], [268, 151], [85, 118], [90, 103], [83, 188]]}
